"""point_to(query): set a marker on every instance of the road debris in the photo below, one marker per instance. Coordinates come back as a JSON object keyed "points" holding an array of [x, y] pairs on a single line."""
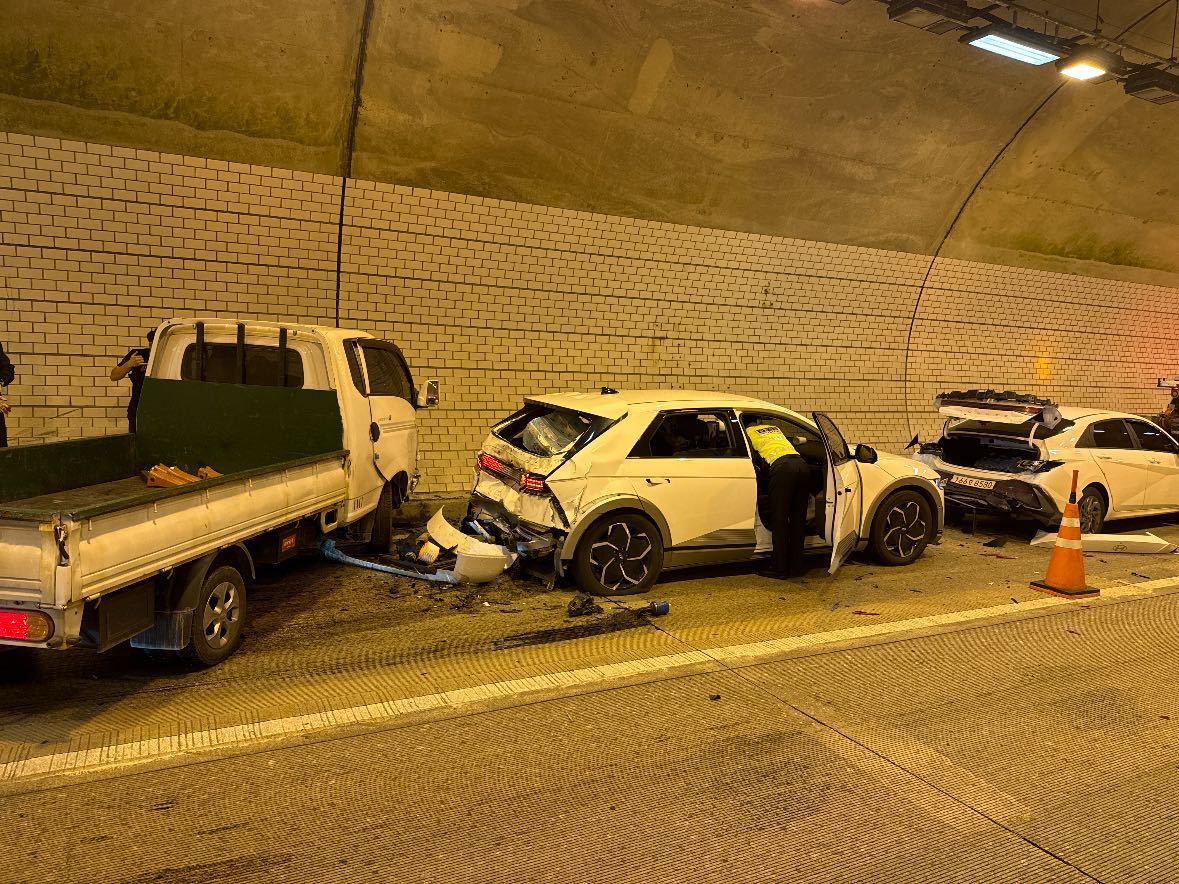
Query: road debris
{"points": [[582, 605], [867, 613], [995, 542]]}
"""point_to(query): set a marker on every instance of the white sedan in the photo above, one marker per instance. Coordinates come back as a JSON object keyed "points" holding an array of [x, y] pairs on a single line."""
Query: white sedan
{"points": [[1015, 454], [616, 486]]}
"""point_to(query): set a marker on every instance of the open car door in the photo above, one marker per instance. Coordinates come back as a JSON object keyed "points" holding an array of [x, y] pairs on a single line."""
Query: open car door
{"points": [[391, 396], [845, 495]]}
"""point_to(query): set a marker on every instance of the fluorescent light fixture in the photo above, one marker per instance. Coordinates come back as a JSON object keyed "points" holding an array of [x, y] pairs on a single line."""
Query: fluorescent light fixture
{"points": [[1152, 84], [1091, 63], [1012, 42], [936, 16]]}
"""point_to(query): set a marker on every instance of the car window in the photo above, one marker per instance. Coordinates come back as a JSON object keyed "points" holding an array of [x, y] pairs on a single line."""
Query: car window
{"points": [[1151, 437], [691, 434], [806, 439], [1111, 434], [387, 374], [263, 365]]}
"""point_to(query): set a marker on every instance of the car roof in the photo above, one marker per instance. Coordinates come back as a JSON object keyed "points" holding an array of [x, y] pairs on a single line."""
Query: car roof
{"points": [[1076, 414], [616, 404]]}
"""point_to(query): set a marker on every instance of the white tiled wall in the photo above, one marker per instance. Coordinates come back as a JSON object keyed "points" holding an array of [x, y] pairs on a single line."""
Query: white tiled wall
{"points": [[500, 299]]}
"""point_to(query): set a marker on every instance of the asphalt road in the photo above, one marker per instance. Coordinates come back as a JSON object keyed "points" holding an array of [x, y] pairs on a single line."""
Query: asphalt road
{"points": [[933, 723]]}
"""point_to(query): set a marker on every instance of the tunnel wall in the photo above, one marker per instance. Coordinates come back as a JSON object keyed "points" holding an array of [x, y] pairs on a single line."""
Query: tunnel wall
{"points": [[500, 299]]}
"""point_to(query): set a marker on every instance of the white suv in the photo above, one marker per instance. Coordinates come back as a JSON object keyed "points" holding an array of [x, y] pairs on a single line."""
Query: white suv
{"points": [[616, 486]]}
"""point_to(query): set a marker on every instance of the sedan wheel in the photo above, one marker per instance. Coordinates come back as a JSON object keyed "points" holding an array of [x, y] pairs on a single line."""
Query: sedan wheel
{"points": [[620, 555], [1092, 510], [902, 528]]}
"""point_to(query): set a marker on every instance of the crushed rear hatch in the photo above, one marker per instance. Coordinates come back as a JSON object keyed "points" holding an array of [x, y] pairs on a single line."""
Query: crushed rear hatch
{"points": [[525, 481]]}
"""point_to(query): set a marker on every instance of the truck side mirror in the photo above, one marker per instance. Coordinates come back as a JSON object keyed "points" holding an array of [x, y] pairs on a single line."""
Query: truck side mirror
{"points": [[866, 453], [428, 397]]}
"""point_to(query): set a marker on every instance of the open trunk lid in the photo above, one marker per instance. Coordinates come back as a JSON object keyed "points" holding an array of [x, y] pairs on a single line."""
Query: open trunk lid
{"points": [[995, 432], [1006, 407]]}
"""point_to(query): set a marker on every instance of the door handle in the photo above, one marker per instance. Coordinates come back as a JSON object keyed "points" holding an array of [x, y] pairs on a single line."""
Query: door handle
{"points": [[1104, 457], [658, 481], [1156, 461]]}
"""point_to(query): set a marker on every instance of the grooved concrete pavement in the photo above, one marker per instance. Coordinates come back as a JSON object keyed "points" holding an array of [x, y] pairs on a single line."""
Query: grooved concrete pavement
{"points": [[1039, 749]]}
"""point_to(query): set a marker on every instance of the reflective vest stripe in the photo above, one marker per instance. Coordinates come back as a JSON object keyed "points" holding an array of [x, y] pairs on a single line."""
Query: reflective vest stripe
{"points": [[770, 442]]}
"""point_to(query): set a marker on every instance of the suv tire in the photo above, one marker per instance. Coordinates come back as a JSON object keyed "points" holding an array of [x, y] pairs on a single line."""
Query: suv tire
{"points": [[620, 554], [901, 528]]}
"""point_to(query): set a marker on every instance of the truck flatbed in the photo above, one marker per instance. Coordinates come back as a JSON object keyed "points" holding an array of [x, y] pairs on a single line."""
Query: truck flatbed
{"points": [[89, 501]]}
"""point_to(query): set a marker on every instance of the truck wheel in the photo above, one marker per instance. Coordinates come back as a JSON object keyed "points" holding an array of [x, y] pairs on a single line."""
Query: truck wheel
{"points": [[620, 554], [219, 617], [902, 528], [382, 535]]}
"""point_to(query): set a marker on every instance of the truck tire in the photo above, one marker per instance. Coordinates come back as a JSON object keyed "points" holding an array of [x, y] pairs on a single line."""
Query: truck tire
{"points": [[219, 618], [382, 534], [621, 554]]}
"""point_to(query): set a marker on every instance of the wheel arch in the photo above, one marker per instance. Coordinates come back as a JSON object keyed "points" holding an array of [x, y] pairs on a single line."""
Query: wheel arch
{"points": [[609, 507], [193, 577]]}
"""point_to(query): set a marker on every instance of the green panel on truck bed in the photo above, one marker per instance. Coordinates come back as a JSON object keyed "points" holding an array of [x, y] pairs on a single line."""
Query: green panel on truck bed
{"points": [[32, 470], [233, 427]]}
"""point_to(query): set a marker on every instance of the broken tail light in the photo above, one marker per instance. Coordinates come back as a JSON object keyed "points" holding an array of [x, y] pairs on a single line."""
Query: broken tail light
{"points": [[533, 483], [497, 467], [25, 626], [528, 483]]}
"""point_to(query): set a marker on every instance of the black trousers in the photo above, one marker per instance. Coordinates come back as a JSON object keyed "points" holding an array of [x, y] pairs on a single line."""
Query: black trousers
{"points": [[788, 484], [3, 433]]}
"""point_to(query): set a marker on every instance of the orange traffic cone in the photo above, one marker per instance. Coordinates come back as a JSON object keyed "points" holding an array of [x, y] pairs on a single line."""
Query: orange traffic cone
{"points": [[1066, 568]]}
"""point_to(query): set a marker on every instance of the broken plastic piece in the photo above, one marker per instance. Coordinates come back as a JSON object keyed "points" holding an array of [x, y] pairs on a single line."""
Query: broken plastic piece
{"points": [[476, 561], [1145, 543], [327, 546]]}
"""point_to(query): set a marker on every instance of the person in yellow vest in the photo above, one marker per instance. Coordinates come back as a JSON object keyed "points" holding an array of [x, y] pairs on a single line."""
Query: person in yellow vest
{"points": [[785, 478]]}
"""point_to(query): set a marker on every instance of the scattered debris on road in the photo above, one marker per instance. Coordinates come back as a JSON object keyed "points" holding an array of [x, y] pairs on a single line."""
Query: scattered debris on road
{"points": [[582, 605], [995, 542], [867, 613]]}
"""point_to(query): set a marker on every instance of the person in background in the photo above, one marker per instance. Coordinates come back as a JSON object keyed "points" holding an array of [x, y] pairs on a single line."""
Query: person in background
{"points": [[7, 376], [1170, 417], [133, 366]]}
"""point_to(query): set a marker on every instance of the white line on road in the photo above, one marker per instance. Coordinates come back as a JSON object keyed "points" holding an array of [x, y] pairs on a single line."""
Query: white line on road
{"points": [[235, 736]]}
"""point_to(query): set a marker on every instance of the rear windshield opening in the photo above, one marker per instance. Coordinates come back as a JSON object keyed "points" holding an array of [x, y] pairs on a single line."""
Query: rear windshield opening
{"points": [[263, 365], [546, 431]]}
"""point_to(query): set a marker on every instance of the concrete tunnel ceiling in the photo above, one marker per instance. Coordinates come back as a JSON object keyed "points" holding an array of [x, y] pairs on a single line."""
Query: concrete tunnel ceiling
{"points": [[801, 118], [772, 179]]}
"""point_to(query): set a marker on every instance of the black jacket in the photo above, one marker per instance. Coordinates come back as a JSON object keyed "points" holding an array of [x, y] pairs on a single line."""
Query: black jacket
{"points": [[7, 372]]}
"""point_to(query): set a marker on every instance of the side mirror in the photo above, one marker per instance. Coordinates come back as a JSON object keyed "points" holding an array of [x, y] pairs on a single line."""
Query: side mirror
{"points": [[428, 397], [866, 453]]}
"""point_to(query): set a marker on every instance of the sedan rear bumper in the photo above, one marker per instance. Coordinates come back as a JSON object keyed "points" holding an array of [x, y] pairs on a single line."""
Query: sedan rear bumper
{"points": [[1011, 497]]}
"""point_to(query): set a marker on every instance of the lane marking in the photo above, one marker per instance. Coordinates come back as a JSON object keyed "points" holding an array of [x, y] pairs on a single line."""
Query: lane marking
{"points": [[128, 753]]}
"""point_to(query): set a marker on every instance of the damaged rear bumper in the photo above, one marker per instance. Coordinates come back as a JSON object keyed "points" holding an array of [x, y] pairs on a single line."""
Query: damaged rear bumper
{"points": [[1011, 497], [501, 526]]}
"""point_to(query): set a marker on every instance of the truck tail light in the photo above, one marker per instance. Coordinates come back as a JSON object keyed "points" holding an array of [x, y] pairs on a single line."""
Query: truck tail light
{"points": [[533, 483], [25, 626]]}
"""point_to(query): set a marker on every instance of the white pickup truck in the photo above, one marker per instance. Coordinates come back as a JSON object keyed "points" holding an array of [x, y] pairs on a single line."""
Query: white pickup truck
{"points": [[312, 429]]}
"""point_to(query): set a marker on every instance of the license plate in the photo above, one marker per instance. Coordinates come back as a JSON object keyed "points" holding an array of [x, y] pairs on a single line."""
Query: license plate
{"points": [[973, 483]]}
